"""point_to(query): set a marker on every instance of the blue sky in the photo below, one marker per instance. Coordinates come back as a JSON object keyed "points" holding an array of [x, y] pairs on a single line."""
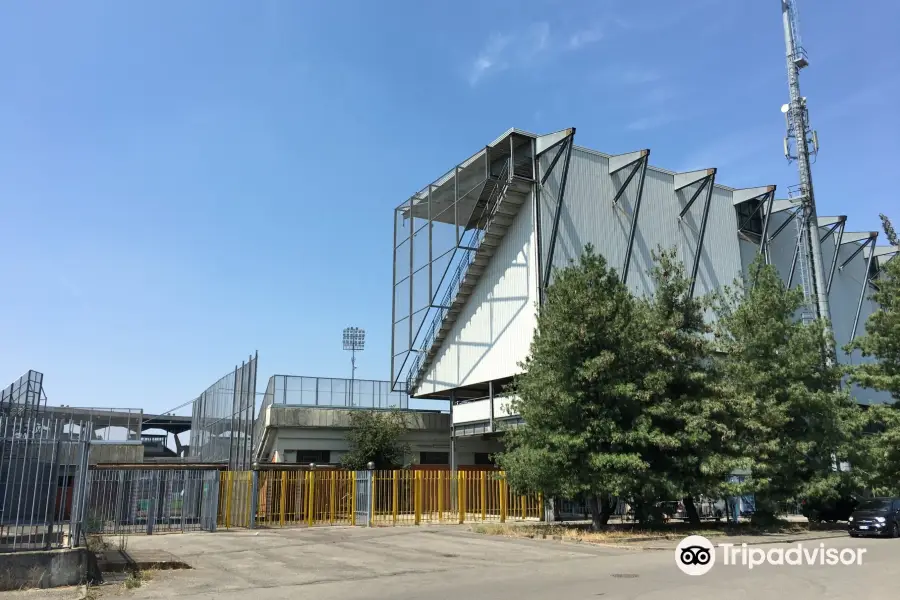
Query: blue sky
{"points": [[182, 183]]}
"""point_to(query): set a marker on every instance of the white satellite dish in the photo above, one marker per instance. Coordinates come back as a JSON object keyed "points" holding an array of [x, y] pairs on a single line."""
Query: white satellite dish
{"points": [[785, 108]]}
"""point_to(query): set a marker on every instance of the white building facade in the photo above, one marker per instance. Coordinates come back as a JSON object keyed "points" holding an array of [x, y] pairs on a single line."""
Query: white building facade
{"points": [[475, 250]]}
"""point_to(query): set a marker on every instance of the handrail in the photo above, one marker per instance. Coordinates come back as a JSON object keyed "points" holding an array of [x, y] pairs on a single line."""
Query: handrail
{"points": [[474, 242]]}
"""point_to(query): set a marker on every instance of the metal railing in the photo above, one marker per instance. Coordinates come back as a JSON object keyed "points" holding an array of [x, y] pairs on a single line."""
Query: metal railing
{"points": [[291, 497], [470, 250], [122, 501], [43, 466]]}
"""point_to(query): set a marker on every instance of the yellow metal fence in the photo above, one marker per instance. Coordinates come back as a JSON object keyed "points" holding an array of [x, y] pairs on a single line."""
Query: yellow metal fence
{"points": [[290, 498]]}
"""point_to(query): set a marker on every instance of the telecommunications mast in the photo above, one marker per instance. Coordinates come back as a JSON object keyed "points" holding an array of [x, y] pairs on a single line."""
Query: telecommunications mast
{"points": [[806, 142]]}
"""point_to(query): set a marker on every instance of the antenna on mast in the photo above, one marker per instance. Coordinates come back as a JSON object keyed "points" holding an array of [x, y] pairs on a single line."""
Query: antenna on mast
{"points": [[800, 143]]}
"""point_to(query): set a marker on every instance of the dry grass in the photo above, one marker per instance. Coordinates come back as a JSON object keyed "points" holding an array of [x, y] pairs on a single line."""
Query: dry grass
{"points": [[635, 533], [97, 544], [136, 579]]}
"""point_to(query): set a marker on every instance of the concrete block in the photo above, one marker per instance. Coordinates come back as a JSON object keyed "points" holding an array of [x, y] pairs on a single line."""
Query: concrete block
{"points": [[48, 569]]}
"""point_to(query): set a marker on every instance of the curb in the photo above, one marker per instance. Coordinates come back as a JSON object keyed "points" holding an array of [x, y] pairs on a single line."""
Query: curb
{"points": [[631, 546], [764, 542]]}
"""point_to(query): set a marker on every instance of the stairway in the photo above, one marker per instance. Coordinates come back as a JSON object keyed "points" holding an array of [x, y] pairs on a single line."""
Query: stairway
{"points": [[499, 203]]}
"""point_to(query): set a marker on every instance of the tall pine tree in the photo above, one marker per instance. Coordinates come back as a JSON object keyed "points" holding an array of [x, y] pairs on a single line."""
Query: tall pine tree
{"points": [[881, 339], [580, 393], [879, 458], [690, 449], [795, 423]]}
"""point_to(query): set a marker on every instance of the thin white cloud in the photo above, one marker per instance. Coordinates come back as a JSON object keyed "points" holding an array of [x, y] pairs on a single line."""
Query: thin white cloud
{"points": [[585, 37], [491, 59], [651, 122], [531, 46]]}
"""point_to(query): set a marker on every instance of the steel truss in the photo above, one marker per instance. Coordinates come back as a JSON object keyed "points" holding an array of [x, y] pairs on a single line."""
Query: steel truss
{"points": [[762, 200], [638, 162], [707, 180]]}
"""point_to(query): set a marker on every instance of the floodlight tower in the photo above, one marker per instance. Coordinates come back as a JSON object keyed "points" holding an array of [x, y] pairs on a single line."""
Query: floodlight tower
{"points": [[354, 341], [807, 142]]}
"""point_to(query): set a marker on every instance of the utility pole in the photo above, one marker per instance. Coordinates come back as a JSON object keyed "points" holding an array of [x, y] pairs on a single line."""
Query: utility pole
{"points": [[798, 129]]}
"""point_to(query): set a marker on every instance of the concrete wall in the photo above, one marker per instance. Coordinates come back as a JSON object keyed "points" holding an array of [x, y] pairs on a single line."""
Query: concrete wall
{"points": [[292, 428], [493, 333], [48, 569], [108, 453], [301, 428]]}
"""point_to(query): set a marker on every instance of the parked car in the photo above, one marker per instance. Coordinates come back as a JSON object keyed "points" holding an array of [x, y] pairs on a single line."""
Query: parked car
{"points": [[876, 516]]}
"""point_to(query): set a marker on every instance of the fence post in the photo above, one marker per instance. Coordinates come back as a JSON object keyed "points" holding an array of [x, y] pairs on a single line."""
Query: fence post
{"points": [[353, 476], [395, 496], [282, 498], [461, 495], [152, 504], [370, 499], [332, 499], [76, 525], [440, 496], [483, 496], [503, 497], [417, 495], [310, 513], [254, 496]]}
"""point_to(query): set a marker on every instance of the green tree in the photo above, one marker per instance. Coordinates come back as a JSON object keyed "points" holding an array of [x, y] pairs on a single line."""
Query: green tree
{"points": [[579, 394], [689, 447], [879, 455], [878, 460], [796, 424], [376, 436], [881, 339]]}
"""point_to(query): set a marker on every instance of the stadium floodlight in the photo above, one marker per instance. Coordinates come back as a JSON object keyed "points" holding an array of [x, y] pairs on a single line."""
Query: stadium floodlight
{"points": [[354, 341]]}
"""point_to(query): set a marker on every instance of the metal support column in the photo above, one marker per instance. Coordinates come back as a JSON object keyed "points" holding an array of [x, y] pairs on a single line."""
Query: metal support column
{"points": [[763, 241], [794, 263], [837, 250], [634, 216], [865, 284], [559, 204], [453, 466], [491, 402], [536, 198], [412, 233], [704, 219]]}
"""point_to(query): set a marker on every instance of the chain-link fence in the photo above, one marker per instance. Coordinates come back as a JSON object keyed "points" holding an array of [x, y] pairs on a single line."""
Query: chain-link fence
{"points": [[24, 397], [222, 419]]}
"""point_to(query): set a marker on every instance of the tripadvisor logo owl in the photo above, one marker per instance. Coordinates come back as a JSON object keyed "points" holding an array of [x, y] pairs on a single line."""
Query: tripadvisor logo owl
{"points": [[695, 555]]}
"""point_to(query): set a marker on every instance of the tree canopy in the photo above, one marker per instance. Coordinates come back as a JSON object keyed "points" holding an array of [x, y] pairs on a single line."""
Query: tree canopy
{"points": [[376, 436], [644, 398]]}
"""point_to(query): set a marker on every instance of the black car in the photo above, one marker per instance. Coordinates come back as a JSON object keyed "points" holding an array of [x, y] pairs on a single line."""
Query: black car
{"points": [[876, 516]]}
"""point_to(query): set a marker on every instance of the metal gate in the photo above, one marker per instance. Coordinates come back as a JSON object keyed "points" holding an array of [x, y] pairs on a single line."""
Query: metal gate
{"points": [[43, 470], [151, 500], [363, 511]]}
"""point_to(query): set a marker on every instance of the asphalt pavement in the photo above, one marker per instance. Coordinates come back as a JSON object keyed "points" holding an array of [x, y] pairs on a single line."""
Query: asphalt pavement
{"points": [[448, 562]]}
